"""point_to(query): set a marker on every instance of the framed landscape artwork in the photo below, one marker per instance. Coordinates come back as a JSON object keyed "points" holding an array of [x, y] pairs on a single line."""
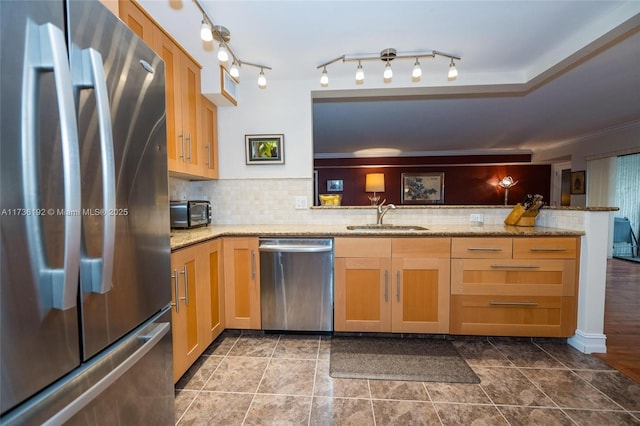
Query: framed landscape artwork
{"points": [[422, 188]]}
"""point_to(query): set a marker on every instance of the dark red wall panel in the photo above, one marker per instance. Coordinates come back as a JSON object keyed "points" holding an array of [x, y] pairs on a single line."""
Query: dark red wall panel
{"points": [[463, 184]]}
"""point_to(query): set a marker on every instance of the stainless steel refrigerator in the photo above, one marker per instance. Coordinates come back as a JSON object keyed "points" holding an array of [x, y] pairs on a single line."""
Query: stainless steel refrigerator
{"points": [[85, 256]]}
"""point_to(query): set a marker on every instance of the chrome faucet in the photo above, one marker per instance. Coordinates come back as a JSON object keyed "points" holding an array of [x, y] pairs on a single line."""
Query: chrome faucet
{"points": [[381, 211]]}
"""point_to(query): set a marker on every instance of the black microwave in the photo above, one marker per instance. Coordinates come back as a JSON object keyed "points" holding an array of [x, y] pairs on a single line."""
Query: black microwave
{"points": [[190, 214]]}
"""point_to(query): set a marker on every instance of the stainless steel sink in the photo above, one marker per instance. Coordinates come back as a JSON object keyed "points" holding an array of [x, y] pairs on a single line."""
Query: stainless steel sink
{"points": [[386, 228]]}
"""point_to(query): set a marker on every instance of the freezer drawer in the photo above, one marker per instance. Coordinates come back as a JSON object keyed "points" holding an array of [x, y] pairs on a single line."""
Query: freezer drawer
{"points": [[296, 284], [129, 384]]}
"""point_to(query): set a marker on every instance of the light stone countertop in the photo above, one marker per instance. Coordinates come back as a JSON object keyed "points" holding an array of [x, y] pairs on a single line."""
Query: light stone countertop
{"points": [[184, 238]]}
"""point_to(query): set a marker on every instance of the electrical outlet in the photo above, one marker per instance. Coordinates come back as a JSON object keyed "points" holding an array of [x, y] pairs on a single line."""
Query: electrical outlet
{"points": [[301, 202], [476, 218]]}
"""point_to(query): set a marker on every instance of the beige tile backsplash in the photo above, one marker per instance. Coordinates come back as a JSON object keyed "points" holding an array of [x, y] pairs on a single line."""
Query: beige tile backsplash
{"points": [[272, 201]]}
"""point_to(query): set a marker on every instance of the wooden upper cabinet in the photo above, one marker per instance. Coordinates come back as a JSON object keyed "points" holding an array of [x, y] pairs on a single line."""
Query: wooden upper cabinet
{"points": [[137, 20], [209, 138], [183, 94]]}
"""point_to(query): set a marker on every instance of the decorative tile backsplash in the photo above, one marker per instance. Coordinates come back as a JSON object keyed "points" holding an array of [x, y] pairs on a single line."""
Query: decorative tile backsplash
{"points": [[272, 201]]}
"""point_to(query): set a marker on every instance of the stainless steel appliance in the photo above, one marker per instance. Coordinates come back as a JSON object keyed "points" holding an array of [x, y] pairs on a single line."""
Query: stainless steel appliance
{"points": [[190, 214], [85, 260], [296, 284]]}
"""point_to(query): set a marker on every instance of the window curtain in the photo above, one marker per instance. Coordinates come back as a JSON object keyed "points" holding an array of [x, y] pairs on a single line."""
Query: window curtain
{"points": [[601, 182], [628, 190]]}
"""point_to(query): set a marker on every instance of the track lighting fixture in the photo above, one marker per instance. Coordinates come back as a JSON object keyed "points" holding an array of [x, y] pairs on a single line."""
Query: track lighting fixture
{"points": [[388, 55], [205, 31], [453, 72], [209, 31]]}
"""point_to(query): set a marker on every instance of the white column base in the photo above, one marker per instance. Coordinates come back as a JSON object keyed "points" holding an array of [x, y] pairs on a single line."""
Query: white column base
{"points": [[588, 342]]}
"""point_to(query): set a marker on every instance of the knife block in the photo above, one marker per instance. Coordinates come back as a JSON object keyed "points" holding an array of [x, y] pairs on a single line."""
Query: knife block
{"points": [[520, 217]]}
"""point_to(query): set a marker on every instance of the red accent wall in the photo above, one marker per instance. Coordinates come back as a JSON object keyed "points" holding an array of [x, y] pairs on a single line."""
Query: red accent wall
{"points": [[473, 183]]}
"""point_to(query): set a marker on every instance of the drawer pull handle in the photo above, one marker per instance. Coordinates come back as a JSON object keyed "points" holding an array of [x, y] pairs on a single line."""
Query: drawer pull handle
{"points": [[484, 249], [499, 266], [548, 249], [496, 303]]}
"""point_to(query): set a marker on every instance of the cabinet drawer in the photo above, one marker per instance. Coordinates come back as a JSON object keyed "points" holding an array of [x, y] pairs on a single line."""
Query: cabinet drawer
{"points": [[421, 247], [512, 316], [545, 248], [513, 277], [481, 248], [362, 247]]}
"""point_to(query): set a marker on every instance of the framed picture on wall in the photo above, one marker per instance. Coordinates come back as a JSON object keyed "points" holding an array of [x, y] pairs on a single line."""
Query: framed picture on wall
{"points": [[578, 183], [334, 185], [422, 188], [264, 149]]}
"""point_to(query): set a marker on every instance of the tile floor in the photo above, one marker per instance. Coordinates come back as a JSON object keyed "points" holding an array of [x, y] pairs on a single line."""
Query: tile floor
{"points": [[266, 379]]}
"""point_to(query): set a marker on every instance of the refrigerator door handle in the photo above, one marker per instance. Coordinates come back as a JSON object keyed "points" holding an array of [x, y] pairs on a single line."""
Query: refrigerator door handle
{"points": [[151, 336], [46, 51], [97, 273]]}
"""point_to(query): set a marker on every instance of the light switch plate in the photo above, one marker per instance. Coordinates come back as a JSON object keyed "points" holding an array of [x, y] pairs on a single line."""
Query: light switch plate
{"points": [[301, 202]]}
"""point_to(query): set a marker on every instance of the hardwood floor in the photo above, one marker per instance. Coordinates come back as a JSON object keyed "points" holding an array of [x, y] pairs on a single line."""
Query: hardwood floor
{"points": [[622, 317]]}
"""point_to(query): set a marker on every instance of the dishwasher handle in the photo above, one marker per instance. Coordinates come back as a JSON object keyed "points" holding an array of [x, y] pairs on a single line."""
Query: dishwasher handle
{"points": [[282, 248]]}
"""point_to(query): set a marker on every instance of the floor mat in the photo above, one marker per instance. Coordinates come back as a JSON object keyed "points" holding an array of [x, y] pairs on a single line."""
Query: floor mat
{"points": [[412, 359]]}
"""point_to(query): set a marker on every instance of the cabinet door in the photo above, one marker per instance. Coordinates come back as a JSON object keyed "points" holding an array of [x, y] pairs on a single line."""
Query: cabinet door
{"points": [[209, 139], [242, 283], [191, 113], [171, 54], [420, 295], [137, 21], [186, 340], [211, 300], [362, 292]]}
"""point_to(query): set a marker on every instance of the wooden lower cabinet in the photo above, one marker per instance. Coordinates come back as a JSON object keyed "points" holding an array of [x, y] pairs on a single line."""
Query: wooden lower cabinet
{"points": [[528, 287], [398, 285], [242, 283], [198, 309]]}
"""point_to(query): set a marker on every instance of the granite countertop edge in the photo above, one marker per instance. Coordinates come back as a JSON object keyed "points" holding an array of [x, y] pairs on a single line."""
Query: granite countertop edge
{"points": [[184, 238]]}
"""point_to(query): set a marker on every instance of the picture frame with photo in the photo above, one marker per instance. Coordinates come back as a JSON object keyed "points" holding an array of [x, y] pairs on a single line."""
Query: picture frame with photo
{"points": [[264, 149], [335, 185]]}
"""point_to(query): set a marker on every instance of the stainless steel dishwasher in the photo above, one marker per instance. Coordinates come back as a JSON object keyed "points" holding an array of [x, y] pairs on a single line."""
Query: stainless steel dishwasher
{"points": [[296, 284]]}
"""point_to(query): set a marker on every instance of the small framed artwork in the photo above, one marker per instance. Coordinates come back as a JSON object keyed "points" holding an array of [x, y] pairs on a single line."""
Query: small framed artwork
{"points": [[334, 185], [577, 182], [228, 86], [264, 149], [422, 188]]}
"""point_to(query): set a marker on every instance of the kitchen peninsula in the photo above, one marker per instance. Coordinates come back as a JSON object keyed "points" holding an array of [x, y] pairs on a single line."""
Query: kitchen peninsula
{"points": [[588, 228]]}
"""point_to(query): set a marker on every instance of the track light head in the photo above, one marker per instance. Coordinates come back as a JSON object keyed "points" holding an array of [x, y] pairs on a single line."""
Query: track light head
{"points": [[359, 73], [223, 55], [235, 69], [453, 72], [262, 80], [324, 78], [388, 72], [205, 31], [417, 71]]}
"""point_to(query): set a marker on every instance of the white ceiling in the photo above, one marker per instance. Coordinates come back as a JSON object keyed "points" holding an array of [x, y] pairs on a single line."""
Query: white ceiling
{"points": [[533, 73]]}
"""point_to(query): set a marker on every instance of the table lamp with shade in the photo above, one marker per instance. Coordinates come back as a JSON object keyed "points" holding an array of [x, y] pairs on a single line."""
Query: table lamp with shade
{"points": [[374, 183]]}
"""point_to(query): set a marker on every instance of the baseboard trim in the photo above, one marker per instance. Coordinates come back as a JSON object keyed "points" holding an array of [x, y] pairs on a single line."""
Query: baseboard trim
{"points": [[588, 342]]}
